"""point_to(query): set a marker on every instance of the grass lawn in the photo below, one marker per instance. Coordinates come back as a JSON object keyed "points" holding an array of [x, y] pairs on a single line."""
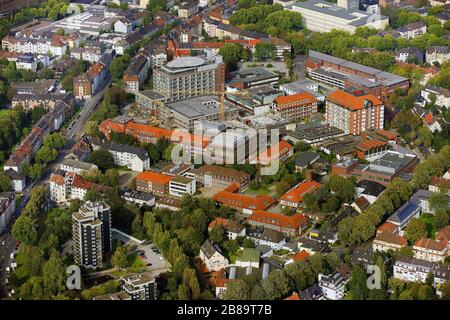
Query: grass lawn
{"points": [[264, 190], [430, 222]]}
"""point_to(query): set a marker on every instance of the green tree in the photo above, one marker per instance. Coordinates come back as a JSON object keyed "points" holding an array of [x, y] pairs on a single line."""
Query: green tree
{"points": [[102, 158], [231, 53], [54, 141], [5, 183], [415, 230], [358, 284], [236, 290], [24, 229], [53, 274], [119, 258], [46, 154]]}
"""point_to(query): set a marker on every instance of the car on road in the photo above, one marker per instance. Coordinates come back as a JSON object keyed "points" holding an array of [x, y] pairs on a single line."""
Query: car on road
{"points": [[3, 242]]}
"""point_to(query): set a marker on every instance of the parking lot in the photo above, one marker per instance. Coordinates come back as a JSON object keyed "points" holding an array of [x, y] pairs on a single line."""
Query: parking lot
{"points": [[153, 257]]}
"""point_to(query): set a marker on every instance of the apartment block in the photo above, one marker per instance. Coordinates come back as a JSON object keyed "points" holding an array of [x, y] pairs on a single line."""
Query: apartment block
{"points": [[354, 113], [140, 286], [132, 157], [91, 234]]}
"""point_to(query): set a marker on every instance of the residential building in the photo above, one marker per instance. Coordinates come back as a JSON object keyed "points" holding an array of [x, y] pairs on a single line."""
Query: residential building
{"points": [[180, 186], [386, 241], [91, 234], [437, 54], [297, 106], [153, 182], [218, 177], [137, 72], [187, 77], [294, 196], [354, 113], [212, 256], [401, 217], [433, 123], [91, 54], [249, 258], [188, 9], [412, 30], [290, 225], [370, 190], [430, 250], [438, 183], [65, 186], [140, 286], [233, 229], [77, 166], [87, 84], [344, 74], [333, 286], [137, 197], [7, 209], [134, 158], [410, 54], [360, 204], [26, 62], [268, 237], [323, 16], [440, 95], [417, 270]]}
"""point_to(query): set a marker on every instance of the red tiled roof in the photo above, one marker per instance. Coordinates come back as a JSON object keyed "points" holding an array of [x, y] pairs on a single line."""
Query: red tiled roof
{"points": [[431, 244], [443, 234], [294, 296], [300, 256], [154, 177], [436, 181], [243, 201], [79, 182], [388, 134], [350, 101], [279, 220], [387, 226], [299, 98], [428, 118], [297, 194], [390, 237], [56, 178], [218, 222]]}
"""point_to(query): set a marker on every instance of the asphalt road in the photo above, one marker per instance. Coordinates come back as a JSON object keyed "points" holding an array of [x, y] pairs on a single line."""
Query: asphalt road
{"points": [[299, 66]]}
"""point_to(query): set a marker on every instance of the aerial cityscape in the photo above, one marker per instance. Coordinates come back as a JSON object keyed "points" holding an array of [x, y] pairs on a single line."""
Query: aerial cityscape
{"points": [[225, 150]]}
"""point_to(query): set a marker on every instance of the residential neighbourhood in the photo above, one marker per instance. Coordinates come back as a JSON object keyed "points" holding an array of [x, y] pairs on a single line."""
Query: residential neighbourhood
{"points": [[225, 150]]}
